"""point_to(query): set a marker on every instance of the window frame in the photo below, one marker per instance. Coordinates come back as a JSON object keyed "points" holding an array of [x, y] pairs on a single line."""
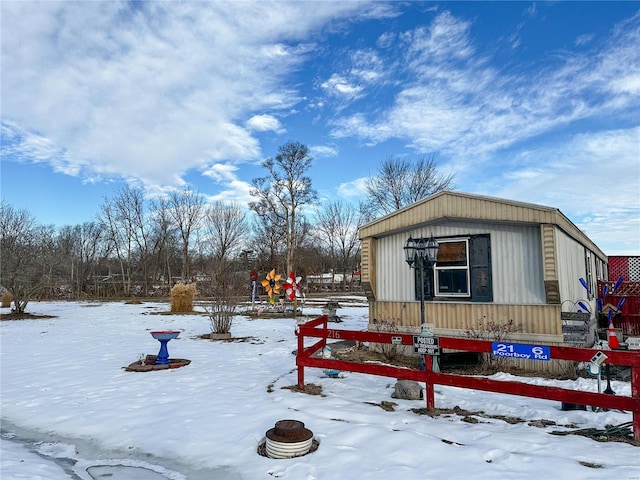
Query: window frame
{"points": [[466, 267]]}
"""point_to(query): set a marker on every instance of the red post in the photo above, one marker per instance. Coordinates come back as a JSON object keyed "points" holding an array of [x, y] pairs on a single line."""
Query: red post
{"points": [[429, 391], [298, 358], [635, 393]]}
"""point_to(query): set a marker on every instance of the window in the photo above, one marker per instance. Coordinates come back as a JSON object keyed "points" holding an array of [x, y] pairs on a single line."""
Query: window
{"points": [[590, 282], [462, 271], [452, 269]]}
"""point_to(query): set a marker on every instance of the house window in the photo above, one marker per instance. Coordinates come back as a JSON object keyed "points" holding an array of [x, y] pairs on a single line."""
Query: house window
{"points": [[462, 271], [452, 269], [590, 282]]}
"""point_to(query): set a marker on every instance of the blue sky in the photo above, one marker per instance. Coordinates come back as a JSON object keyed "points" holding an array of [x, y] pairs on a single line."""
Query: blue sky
{"points": [[535, 102]]}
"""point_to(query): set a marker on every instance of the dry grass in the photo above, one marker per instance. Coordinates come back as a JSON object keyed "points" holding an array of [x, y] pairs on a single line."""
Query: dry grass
{"points": [[7, 298], [182, 296]]}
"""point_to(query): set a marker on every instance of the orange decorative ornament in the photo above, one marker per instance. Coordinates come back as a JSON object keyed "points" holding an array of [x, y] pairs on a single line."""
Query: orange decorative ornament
{"points": [[271, 285]]}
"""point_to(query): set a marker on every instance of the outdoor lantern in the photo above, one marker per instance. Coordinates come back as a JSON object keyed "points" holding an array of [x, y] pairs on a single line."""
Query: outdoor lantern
{"points": [[420, 245], [432, 250], [421, 254], [410, 251], [421, 251]]}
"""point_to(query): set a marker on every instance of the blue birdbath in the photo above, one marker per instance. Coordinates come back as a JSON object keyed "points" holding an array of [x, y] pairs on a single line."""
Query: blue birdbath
{"points": [[163, 337]]}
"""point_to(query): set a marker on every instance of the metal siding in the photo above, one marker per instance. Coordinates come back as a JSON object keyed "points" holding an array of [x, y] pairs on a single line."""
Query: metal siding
{"points": [[549, 252], [516, 265], [394, 277], [535, 320], [365, 253], [518, 273], [368, 267], [571, 267]]}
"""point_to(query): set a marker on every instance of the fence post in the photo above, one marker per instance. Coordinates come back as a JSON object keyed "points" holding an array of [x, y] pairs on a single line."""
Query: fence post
{"points": [[635, 393], [429, 391], [299, 359]]}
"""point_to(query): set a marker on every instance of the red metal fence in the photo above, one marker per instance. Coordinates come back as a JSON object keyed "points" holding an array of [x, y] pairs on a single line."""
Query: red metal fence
{"points": [[318, 328]]}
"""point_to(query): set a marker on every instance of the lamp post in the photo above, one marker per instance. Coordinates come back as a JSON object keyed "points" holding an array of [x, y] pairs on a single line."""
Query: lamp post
{"points": [[253, 274], [418, 254]]}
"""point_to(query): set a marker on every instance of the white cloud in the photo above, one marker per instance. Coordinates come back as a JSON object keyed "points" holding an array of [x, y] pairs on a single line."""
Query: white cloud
{"points": [[445, 40], [361, 71], [26, 146], [385, 40], [232, 189], [155, 89], [531, 11], [354, 189], [592, 178], [341, 86], [367, 66], [584, 39], [236, 191], [264, 123], [461, 106], [221, 172], [630, 84], [323, 151]]}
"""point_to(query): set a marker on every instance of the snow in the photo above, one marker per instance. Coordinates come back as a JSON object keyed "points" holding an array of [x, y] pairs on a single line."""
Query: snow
{"points": [[70, 411]]}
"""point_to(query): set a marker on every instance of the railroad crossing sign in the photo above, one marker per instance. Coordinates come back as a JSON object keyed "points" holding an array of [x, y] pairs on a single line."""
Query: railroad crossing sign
{"points": [[426, 345]]}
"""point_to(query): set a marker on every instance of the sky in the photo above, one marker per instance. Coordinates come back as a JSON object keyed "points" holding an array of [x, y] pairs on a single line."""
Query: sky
{"points": [[71, 412], [530, 101]]}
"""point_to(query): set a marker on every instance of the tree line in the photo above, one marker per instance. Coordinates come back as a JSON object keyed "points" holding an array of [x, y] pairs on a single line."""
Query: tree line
{"points": [[141, 247]]}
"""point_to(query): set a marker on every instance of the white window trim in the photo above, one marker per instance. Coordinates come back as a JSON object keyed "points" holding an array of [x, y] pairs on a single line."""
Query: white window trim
{"points": [[436, 269]]}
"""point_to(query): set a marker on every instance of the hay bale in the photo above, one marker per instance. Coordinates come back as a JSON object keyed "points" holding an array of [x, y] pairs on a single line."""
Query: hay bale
{"points": [[182, 296], [7, 298]]}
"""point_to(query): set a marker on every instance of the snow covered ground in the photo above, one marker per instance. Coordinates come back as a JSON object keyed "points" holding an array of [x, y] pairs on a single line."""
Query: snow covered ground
{"points": [[70, 411]]}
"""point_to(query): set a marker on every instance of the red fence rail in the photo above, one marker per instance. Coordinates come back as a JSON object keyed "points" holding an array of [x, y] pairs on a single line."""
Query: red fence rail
{"points": [[318, 328]]}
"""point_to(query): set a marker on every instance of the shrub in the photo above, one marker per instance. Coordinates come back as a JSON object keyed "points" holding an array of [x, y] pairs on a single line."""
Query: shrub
{"points": [[182, 296], [388, 350], [7, 298], [495, 331], [221, 313]]}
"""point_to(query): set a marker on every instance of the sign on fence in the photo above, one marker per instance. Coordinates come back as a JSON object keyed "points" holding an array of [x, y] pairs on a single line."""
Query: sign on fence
{"points": [[426, 345], [520, 350], [575, 327]]}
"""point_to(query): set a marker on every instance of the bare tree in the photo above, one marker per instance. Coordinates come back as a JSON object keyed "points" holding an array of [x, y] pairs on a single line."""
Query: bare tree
{"points": [[266, 241], [119, 237], [283, 192], [46, 252], [80, 248], [400, 182], [337, 224], [164, 241], [130, 205], [226, 227], [26, 253], [186, 208]]}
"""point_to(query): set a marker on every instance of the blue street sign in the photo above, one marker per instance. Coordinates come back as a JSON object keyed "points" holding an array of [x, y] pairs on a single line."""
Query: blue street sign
{"points": [[520, 350]]}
